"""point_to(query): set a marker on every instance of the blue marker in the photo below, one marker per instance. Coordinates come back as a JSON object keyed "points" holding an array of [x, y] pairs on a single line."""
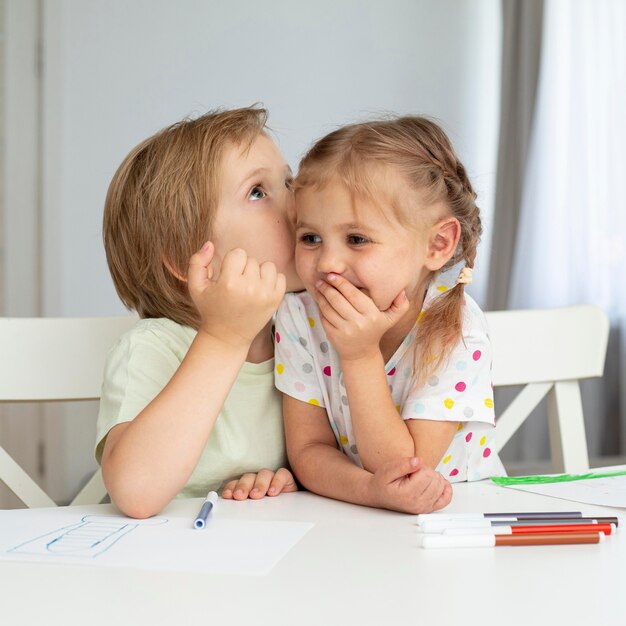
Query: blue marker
{"points": [[208, 504]]}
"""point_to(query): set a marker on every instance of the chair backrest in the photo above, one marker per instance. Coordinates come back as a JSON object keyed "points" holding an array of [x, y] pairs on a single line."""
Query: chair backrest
{"points": [[53, 359], [549, 351]]}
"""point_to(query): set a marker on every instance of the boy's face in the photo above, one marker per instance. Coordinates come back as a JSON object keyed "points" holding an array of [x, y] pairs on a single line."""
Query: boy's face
{"points": [[378, 255], [255, 203]]}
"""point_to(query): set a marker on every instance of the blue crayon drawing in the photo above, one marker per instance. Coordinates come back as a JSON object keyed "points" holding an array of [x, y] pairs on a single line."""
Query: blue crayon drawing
{"points": [[92, 536]]}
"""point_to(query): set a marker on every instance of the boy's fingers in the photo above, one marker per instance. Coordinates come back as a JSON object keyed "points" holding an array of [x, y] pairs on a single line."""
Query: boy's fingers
{"points": [[282, 482], [199, 270], [261, 483], [445, 498], [234, 262], [268, 273], [227, 492], [243, 486]]}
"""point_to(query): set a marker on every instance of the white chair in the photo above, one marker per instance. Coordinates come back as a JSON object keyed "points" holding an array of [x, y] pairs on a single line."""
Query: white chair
{"points": [[53, 359], [549, 351]]}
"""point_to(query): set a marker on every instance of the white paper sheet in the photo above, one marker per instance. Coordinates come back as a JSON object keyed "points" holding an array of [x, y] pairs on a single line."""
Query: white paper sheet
{"points": [[609, 491], [69, 535]]}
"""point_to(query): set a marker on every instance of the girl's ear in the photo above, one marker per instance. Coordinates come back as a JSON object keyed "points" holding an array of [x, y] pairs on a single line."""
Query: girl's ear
{"points": [[442, 243], [172, 270]]}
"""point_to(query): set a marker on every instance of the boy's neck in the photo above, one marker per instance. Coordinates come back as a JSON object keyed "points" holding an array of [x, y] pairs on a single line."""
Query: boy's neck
{"points": [[262, 346]]}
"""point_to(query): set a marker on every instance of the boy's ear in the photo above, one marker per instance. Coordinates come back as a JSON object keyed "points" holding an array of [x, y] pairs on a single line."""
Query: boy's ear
{"points": [[172, 270], [442, 243]]}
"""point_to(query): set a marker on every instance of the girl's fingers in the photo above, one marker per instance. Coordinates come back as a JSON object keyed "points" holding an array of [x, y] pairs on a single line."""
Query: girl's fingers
{"points": [[282, 482], [336, 300], [354, 296], [329, 314]]}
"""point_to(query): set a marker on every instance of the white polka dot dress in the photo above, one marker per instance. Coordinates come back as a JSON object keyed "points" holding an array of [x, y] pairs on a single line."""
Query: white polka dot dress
{"points": [[307, 368]]}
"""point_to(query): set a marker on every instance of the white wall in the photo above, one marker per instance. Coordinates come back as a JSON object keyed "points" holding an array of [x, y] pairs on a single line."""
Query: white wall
{"points": [[117, 71]]}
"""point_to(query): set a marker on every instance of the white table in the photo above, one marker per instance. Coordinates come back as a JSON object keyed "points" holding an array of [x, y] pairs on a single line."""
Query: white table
{"points": [[355, 566]]}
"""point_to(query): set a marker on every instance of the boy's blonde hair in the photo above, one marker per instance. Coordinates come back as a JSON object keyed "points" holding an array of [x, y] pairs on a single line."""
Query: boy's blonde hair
{"points": [[419, 150], [160, 207]]}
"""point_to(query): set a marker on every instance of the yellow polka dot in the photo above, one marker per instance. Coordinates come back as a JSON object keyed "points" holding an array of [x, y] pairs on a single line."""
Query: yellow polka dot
{"points": [[314, 401], [398, 408], [460, 426], [448, 403], [482, 440], [344, 440], [420, 316], [447, 459], [489, 403], [311, 322], [280, 368], [442, 288]]}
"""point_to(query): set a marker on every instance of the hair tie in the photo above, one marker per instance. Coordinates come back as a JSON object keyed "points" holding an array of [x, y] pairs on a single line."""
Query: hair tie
{"points": [[465, 276], [449, 278]]}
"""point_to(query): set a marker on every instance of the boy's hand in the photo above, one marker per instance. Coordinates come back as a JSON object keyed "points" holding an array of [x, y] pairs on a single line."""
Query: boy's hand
{"points": [[256, 486], [352, 321], [236, 305], [408, 486]]}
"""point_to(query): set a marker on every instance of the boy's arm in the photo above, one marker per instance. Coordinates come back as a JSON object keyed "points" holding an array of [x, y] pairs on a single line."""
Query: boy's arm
{"points": [[146, 462], [402, 484]]}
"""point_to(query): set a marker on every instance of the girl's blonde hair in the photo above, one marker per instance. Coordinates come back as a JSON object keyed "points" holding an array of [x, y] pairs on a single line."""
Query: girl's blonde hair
{"points": [[160, 207], [419, 150]]}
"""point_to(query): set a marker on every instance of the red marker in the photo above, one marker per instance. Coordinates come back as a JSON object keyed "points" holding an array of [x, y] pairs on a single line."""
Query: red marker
{"points": [[607, 529]]}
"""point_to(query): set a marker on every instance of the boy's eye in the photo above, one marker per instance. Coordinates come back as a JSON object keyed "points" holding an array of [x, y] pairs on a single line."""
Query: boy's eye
{"points": [[289, 183], [257, 193], [357, 240], [310, 238]]}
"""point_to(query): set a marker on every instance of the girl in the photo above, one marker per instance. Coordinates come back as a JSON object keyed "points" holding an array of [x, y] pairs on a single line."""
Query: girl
{"points": [[384, 355], [188, 401]]}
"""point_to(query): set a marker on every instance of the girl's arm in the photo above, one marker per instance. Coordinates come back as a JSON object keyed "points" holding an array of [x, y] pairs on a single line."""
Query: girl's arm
{"points": [[402, 484], [146, 462], [355, 327], [380, 432]]}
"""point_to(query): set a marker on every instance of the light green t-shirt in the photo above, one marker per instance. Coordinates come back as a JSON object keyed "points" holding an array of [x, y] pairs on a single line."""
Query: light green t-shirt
{"points": [[248, 433]]}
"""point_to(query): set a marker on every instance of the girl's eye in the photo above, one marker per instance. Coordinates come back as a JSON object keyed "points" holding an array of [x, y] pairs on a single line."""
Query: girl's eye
{"points": [[311, 239], [257, 193], [357, 240], [289, 183]]}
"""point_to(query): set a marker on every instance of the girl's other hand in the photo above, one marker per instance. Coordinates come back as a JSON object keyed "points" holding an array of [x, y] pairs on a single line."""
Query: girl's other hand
{"points": [[237, 303], [256, 486], [408, 486]]}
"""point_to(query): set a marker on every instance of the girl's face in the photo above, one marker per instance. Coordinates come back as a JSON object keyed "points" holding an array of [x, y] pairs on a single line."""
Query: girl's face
{"points": [[353, 238], [255, 202]]}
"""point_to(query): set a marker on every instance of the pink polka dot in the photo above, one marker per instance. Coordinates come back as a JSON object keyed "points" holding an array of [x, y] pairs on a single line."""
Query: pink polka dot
{"points": [[327, 370], [277, 335], [468, 437], [477, 354], [454, 472], [486, 452], [460, 386], [391, 372], [300, 386]]}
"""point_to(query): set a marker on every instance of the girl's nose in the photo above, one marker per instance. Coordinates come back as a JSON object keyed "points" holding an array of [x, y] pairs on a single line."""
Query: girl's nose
{"points": [[330, 260]]}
